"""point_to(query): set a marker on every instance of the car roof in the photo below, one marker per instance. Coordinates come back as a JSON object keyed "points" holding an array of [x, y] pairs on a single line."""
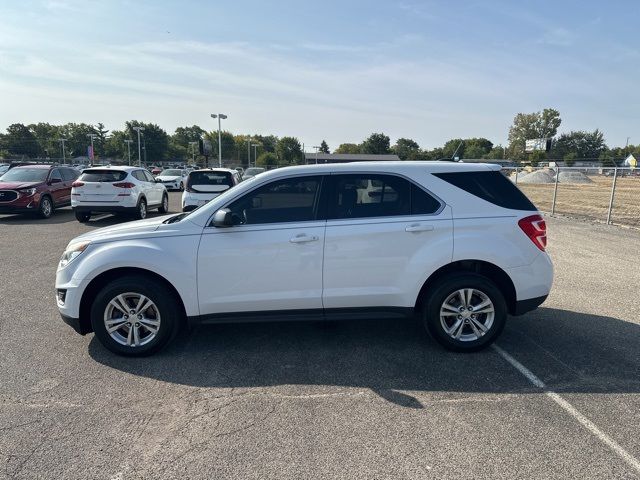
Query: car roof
{"points": [[227, 170], [37, 166], [122, 168]]}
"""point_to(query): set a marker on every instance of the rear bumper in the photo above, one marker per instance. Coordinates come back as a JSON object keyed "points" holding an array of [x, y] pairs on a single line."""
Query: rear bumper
{"points": [[104, 208], [524, 306]]}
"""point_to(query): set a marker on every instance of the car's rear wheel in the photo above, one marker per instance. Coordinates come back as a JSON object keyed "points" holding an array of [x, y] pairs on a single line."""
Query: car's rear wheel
{"points": [[164, 206], [45, 210], [135, 316], [181, 186], [141, 209], [83, 217], [465, 312]]}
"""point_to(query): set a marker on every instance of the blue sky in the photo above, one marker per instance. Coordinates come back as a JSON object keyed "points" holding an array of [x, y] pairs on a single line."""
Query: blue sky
{"points": [[334, 70]]}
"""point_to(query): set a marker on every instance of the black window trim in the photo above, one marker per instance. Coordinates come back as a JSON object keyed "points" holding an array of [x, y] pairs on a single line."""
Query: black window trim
{"points": [[395, 174], [319, 195]]}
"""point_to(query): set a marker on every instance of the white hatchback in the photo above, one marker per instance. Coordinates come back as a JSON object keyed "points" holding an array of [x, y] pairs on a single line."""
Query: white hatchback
{"points": [[458, 246], [206, 184], [117, 190]]}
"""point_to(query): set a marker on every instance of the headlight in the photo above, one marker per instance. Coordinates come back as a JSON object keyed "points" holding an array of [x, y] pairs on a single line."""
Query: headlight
{"points": [[72, 251], [27, 192]]}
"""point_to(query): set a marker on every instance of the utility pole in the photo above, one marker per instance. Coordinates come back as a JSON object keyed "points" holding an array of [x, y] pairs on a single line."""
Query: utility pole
{"points": [[249, 151], [139, 129], [219, 116], [62, 140], [317, 147], [128, 142], [92, 136], [193, 151], [255, 155]]}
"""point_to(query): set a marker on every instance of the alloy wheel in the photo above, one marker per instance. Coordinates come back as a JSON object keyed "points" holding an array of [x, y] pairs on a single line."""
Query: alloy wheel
{"points": [[131, 319], [467, 314]]}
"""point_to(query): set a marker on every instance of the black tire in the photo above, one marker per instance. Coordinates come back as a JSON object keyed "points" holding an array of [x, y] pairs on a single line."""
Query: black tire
{"points": [[181, 186], [141, 209], [45, 209], [164, 206], [83, 217], [164, 300], [446, 287]]}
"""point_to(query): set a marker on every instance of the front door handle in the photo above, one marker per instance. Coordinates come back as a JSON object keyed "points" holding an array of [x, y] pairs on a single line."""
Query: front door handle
{"points": [[416, 227], [303, 238]]}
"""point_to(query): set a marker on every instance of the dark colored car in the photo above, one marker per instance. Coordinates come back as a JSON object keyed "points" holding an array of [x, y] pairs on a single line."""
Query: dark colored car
{"points": [[38, 189]]}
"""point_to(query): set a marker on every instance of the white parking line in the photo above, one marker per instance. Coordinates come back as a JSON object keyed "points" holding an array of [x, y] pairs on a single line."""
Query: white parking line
{"points": [[570, 409]]}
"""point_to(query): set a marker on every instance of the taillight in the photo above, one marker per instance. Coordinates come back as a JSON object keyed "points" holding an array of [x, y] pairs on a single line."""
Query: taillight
{"points": [[124, 185], [536, 229], [77, 184]]}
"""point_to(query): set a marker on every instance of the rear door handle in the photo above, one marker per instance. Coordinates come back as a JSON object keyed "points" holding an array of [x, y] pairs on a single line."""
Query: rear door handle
{"points": [[416, 227], [303, 238]]}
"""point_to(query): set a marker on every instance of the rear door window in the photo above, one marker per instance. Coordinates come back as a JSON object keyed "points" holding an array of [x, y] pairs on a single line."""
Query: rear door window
{"points": [[107, 176], [69, 174], [369, 195], [491, 186]]}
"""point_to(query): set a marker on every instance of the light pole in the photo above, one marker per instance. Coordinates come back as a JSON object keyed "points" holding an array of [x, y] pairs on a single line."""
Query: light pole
{"points": [[62, 140], [193, 151], [249, 152], [219, 116], [255, 155], [128, 142], [139, 129], [92, 136], [317, 147]]}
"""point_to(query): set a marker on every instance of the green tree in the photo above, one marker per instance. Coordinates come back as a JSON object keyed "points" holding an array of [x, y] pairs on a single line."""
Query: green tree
{"points": [[154, 139], [584, 144], [267, 159], [267, 142], [536, 157], [453, 148], [406, 149], [20, 140], [48, 137], [115, 146], [527, 126], [324, 148], [377, 143], [289, 151], [570, 159], [348, 148], [228, 145], [496, 153], [101, 139], [77, 135]]}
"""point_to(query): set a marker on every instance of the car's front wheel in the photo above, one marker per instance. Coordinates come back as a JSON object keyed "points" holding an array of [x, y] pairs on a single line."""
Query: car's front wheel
{"points": [[465, 312], [46, 207], [135, 316], [164, 206], [141, 209]]}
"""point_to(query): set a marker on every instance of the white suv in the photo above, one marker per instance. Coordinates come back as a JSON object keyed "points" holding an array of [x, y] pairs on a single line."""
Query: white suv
{"points": [[117, 190], [457, 245], [206, 184]]}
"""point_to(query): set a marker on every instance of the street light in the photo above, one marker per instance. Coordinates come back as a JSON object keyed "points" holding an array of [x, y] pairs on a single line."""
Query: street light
{"points": [[139, 129], [219, 116], [62, 140], [92, 136], [128, 142], [249, 151], [317, 147], [255, 155]]}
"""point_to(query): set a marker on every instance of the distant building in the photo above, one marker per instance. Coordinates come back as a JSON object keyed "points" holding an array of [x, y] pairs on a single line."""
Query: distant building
{"points": [[347, 157]]}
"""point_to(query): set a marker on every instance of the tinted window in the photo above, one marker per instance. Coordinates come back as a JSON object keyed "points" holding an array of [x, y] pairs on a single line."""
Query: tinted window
{"points": [[222, 179], [491, 186], [97, 175], [421, 202], [69, 174], [147, 177], [23, 174], [55, 174], [289, 200], [369, 195]]}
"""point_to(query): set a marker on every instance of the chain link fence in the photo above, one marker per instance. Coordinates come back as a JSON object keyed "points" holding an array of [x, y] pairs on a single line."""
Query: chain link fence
{"points": [[604, 194]]}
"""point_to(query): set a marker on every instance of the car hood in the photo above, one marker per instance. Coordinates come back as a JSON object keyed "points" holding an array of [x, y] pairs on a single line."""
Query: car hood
{"points": [[124, 230], [17, 185]]}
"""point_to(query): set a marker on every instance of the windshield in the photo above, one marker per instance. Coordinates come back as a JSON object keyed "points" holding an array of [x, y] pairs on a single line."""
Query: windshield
{"points": [[103, 176], [253, 171], [22, 174], [210, 178], [171, 173]]}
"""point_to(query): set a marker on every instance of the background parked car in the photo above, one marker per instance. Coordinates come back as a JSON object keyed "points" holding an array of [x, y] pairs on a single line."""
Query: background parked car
{"points": [[173, 178], [205, 185], [252, 172], [117, 189], [156, 170], [3, 168], [36, 189]]}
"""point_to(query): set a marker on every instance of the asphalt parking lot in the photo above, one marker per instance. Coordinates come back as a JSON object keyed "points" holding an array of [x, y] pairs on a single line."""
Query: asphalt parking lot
{"points": [[346, 400]]}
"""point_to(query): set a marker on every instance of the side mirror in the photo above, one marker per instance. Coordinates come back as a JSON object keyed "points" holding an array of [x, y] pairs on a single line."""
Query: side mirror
{"points": [[158, 180], [223, 218]]}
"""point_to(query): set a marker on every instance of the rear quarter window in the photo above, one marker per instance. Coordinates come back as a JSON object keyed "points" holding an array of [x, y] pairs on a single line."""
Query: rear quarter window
{"points": [[491, 186], [103, 176]]}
